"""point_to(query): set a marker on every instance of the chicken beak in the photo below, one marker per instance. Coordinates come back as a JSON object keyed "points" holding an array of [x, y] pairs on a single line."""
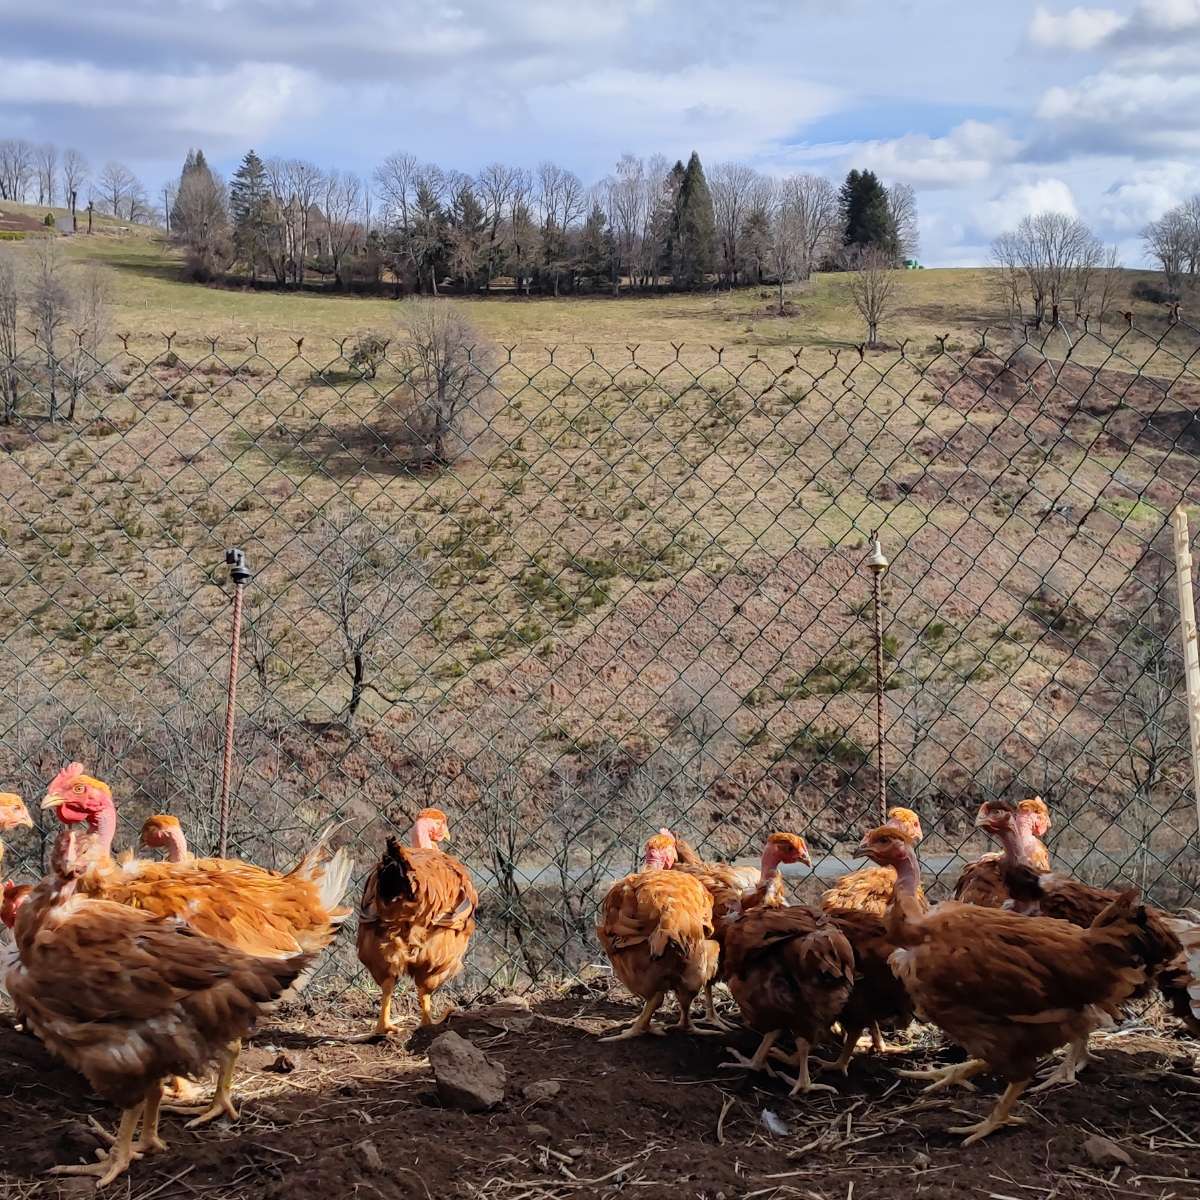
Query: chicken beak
{"points": [[25, 821], [53, 801], [862, 850]]}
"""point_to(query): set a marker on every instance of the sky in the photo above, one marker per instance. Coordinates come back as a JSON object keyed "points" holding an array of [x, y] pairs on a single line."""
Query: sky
{"points": [[991, 109]]}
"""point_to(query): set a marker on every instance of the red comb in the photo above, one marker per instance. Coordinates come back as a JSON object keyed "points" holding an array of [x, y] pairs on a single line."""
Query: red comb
{"points": [[69, 772]]}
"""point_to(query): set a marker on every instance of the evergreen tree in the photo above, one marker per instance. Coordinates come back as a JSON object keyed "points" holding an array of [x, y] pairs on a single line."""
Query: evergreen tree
{"points": [[596, 261], [467, 224], [693, 229], [251, 210], [200, 218], [867, 222], [428, 237]]}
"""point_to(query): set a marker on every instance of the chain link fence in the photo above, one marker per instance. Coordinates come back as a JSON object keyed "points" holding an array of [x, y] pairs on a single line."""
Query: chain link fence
{"points": [[571, 594]]}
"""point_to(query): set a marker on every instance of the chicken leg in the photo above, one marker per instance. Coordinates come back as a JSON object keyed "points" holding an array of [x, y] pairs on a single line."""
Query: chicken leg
{"points": [[222, 1102], [955, 1075], [997, 1118], [642, 1024], [685, 1000], [148, 1142], [849, 1045], [425, 1000], [117, 1158], [712, 1017], [385, 1024], [759, 1061], [1073, 1061], [803, 1082]]}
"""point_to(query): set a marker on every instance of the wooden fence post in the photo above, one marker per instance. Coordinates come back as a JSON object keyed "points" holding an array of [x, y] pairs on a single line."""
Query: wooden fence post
{"points": [[1191, 648]]}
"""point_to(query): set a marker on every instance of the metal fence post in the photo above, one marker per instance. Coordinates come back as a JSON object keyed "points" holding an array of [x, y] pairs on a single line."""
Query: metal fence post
{"points": [[235, 560], [878, 563]]}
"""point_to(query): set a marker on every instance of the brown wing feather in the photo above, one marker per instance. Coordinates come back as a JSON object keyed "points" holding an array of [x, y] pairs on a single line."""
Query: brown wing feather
{"points": [[127, 999], [878, 996]]}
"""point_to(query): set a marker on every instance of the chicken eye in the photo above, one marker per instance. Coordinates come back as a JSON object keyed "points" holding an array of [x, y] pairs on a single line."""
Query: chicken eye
{"points": [[79, 789]]}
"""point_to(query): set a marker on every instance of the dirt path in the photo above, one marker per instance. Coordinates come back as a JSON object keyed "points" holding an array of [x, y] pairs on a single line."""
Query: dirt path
{"points": [[648, 1119]]}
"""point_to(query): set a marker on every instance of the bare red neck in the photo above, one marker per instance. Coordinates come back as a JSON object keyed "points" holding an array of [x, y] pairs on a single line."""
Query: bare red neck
{"points": [[177, 847], [422, 835]]}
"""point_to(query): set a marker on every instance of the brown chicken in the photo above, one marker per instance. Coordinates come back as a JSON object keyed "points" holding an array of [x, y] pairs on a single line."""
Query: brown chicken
{"points": [[870, 890], [128, 999], [1023, 825], [791, 971], [666, 852], [657, 929], [260, 912], [1050, 894], [1008, 988], [13, 815], [164, 832], [417, 917]]}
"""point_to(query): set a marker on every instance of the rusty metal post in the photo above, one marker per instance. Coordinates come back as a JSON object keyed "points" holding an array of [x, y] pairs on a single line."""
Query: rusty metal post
{"points": [[878, 563], [235, 560]]}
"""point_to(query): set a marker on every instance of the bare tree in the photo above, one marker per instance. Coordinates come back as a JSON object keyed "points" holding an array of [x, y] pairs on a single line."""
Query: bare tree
{"points": [[902, 204], [91, 295], [9, 299], [47, 172], [372, 581], [1173, 241], [495, 189], [16, 168], [1010, 274], [1053, 251], [448, 365], [305, 182], [813, 202], [75, 174], [732, 186], [199, 221], [873, 290], [1110, 281], [343, 204], [116, 185], [49, 303]]}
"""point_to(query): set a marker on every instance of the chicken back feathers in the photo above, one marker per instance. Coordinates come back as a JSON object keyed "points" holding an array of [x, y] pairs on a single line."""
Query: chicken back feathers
{"points": [[788, 968], [416, 917], [127, 998], [657, 929]]}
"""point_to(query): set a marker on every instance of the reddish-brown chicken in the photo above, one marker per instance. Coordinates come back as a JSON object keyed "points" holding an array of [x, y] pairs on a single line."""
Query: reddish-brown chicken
{"points": [[1049, 894], [1010, 989], [1019, 828], [791, 971], [666, 852], [128, 999], [164, 832], [416, 917], [870, 890], [260, 912], [13, 815], [657, 929]]}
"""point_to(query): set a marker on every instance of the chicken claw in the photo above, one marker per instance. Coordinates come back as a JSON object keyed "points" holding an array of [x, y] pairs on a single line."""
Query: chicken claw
{"points": [[1073, 1061], [114, 1161], [955, 1075], [997, 1118], [642, 1024]]}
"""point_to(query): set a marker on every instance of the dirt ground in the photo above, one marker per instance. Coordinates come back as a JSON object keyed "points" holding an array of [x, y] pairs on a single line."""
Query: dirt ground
{"points": [[654, 1118]]}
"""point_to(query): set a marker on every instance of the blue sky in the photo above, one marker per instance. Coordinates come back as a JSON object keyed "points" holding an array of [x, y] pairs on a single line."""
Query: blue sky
{"points": [[990, 110]]}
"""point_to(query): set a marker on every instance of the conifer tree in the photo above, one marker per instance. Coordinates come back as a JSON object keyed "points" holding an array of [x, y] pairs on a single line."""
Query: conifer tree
{"points": [[867, 222], [250, 208], [693, 247]]}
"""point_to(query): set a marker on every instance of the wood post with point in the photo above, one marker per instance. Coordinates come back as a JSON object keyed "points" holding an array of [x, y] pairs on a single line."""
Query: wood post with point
{"points": [[1191, 648]]}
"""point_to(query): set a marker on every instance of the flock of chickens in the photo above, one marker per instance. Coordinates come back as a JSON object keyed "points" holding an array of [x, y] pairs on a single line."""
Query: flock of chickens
{"points": [[145, 974]]}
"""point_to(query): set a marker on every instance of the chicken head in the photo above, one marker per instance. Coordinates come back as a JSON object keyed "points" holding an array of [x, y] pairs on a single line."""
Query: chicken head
{"points": [[660, 853], [907, 821], [15, 894], [430, 827], [783, 848], [13, 813]]}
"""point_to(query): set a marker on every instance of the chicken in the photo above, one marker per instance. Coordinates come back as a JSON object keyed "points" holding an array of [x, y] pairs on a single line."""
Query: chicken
{"points": [[657, 929], [870, 890], [664, 851], [416, 917], [128, 999], [14, 895], [13, 815], [1023, 825], [878, 996], [1008, 988], [1049, 894], [260, 912], [164, 832], [791, 970]]}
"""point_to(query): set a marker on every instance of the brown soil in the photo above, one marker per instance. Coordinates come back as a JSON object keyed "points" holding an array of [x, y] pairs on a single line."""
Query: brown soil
{"points": [[654, 1118]]}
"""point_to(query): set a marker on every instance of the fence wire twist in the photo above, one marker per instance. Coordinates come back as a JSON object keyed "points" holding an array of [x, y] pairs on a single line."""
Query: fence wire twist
{"points": [[572, 594]]}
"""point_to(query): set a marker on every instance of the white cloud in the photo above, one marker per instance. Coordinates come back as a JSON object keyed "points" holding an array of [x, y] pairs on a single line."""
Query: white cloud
{"points": [[1023, 200], [1076, 29], [969, 153], [249, 100]]}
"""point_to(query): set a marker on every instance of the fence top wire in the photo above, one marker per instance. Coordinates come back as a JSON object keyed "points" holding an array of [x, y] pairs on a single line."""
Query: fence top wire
{"points": [[570, 594]]}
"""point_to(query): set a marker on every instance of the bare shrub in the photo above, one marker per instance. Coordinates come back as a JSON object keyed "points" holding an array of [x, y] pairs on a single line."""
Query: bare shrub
{"points": [[873, 290]]}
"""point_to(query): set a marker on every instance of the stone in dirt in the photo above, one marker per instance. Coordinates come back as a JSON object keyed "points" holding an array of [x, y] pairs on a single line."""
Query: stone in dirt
{"points": [[1106, 1153], [543, 1089], [368, 1155], [466, 1077]]}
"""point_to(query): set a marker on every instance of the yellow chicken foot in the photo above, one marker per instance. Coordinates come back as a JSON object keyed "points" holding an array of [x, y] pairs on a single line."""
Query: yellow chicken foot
{"points": [[712, 1017], [425, 999], [117, 1159], [802, 1082], [758, 1062], [843, 1060], [183, 1091], [222, 1102], [684, 1024], [642, 1024], [149, 1142], [877, 1042], [1073, 1061], [997, 1118], [955, 1075]]}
